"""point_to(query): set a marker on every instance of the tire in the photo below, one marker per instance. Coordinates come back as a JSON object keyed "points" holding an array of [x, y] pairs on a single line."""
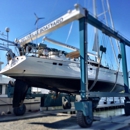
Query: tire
{"points": [[67, 105], [83, 121], [19, 111], [127, 109]]}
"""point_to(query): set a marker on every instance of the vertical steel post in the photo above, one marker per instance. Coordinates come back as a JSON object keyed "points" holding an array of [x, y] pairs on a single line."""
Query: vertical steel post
{"points": [[124, 67], [83, 57], [84, 107], [125, 76]]}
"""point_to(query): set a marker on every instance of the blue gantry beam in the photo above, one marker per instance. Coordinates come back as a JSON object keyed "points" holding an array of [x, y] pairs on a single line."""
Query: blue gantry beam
{"points": [[123, 41], [107, 30], [111, 33]]}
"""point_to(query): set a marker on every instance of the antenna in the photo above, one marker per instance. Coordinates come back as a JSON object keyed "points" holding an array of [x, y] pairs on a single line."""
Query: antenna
{"points": [[7, 29]]}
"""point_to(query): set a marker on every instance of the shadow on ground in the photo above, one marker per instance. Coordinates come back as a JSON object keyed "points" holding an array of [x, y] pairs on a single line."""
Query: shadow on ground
{"points": [[58, 124]]}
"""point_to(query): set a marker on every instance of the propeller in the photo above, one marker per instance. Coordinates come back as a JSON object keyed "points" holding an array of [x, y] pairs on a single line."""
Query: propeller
{"points": [[37, 18]]}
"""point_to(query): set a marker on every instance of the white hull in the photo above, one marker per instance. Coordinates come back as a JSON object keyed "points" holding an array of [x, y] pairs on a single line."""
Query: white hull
{"points": [[29, 67]]}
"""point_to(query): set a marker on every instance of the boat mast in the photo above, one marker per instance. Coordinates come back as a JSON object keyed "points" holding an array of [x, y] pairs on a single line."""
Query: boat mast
{"points": [[96, 41], [112, 23]]}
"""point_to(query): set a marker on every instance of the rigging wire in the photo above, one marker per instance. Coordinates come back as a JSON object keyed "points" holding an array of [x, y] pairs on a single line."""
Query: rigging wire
{"points": [[54, 5], [84, 3], [99, 58], [112, 23], [91, 37], [16, 50], [104, 44], [109, 52], [103, 41], [71, 26], [117, 74], [112, 46]]}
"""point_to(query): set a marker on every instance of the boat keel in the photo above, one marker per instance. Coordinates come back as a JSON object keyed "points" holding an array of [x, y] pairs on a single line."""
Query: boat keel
{"points": [[20, 90]]}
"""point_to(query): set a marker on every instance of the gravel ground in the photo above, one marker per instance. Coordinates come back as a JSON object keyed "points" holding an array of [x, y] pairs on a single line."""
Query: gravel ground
{"points": [[51, 120], [47, 122]]}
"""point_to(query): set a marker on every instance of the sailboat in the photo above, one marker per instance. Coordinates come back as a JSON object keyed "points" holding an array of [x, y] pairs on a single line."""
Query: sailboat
{"points": [[44, 67], [54, 70]]}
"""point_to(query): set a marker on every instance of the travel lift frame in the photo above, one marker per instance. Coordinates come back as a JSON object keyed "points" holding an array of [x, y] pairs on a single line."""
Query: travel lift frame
{"points": [[84, 107]]}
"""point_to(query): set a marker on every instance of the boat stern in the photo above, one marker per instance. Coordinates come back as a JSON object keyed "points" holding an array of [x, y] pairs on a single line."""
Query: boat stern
{"points": [[9, 69]]}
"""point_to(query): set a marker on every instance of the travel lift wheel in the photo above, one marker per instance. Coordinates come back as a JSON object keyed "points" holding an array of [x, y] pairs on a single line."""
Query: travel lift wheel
{"points": [[84, 113], [127, 107], [20, 90], [66, 103], [83, 121]]}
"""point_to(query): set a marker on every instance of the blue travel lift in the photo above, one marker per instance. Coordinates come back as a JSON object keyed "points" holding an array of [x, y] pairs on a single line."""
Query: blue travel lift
{"points": [[84, 107]]}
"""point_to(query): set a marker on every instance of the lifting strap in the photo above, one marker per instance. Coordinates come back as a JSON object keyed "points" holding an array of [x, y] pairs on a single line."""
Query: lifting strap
{"points": [[117, 73], [102, 49]]}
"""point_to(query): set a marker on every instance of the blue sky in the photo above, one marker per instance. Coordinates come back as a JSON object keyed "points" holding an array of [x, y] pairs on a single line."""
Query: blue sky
{"points": [[18, 15]]}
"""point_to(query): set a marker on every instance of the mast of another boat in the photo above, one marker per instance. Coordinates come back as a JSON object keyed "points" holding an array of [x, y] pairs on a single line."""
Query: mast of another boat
{"points": [[112, 24], [96, 41]]}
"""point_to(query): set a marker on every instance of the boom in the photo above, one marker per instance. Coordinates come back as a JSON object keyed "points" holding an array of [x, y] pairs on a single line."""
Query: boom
{"points": [[60, 44], [66, 45]]}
